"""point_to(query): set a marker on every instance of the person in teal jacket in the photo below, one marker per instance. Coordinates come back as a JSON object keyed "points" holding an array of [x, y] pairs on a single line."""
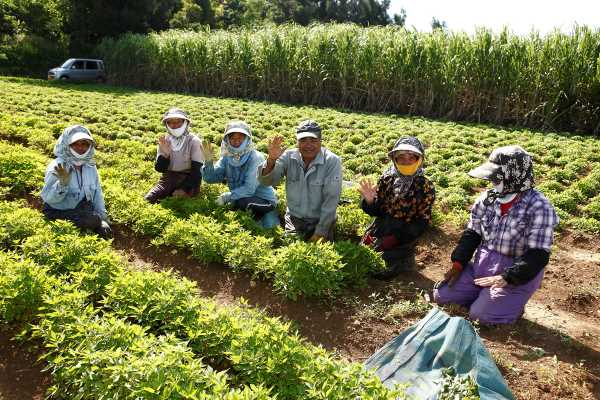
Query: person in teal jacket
{"points": [[72, 189], [238, 167]]}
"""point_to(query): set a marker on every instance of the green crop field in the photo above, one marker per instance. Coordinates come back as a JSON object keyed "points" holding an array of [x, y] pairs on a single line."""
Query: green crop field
{"points": [[102, 323], [127, 124]]}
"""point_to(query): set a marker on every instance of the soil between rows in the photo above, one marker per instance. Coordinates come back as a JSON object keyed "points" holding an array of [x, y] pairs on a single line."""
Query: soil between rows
{"points": [[562, 319]]}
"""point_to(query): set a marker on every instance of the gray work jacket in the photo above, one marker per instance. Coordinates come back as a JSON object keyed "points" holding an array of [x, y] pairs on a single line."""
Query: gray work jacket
{"points": [[312, 194]]}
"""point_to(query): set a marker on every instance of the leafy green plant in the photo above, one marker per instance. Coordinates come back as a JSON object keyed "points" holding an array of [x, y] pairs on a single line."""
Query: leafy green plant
{"points": [[312, 269], [359, 261]]}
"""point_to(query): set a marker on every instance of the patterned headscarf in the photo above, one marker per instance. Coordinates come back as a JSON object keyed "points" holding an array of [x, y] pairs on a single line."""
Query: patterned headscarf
{"points": [[62, 148], [402, 183], [237, 155], [512, 166]]}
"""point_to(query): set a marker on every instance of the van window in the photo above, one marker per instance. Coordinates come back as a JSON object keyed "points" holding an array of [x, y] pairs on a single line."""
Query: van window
{"points": [[91, 65], [77, 65]]}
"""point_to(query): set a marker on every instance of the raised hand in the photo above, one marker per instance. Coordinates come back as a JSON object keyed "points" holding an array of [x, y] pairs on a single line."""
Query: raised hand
{"points": [[63, 174], [164, 146], [207, 151], [368, 190], [275, 148]]}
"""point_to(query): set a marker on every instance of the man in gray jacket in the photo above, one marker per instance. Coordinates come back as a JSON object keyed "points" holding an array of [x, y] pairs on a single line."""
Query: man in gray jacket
{"points": [[313, 182]]}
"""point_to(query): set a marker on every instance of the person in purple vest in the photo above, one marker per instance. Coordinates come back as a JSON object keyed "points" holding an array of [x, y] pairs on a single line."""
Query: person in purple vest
{"points": [[510, 231]]}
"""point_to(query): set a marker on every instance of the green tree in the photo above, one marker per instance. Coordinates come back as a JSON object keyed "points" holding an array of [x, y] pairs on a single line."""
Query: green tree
{"points": [[437, 24], [193, 14], [89, 21]]}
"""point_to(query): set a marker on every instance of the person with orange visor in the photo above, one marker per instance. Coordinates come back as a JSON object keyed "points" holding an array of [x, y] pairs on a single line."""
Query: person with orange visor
{"points": [[401, 203]]}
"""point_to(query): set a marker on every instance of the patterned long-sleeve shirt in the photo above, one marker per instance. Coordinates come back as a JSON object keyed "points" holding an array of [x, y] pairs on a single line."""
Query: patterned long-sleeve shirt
{"points": [[529, 224]]}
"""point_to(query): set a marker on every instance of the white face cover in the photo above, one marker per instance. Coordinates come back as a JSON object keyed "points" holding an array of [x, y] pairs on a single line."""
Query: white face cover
{"points": [[179, 131], [80, 156], [507, 198]]}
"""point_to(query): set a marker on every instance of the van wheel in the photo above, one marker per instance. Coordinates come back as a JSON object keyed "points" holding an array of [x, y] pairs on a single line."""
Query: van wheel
{"points": [[100, 80], [64, 78]]}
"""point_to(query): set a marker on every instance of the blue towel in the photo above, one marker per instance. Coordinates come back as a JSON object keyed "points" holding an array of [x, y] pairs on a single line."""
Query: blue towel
{"points": [[438, 341]]}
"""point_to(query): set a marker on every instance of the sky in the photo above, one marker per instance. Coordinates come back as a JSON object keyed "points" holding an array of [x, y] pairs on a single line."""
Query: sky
{"points": [[519, 15]]}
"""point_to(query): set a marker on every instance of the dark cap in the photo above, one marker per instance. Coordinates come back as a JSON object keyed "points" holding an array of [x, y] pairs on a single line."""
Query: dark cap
{"points": [[308, 128], [408, 143], [502, 156]]}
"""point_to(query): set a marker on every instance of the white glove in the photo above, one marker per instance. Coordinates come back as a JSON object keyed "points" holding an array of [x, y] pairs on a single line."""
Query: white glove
{"points": [[224, 198], [207, 151]]}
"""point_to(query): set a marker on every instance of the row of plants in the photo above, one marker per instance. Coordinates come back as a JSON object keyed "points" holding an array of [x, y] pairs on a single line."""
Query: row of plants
{"points": [[109, 331], [495, 77], [126, 124], [214, 234]]}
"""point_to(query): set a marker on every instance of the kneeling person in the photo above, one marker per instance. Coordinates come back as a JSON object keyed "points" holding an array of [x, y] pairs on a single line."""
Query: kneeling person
{"points": [[72, 189], [510, 230], [179, 158], [401, 203], [238, 167], [313, 182]]}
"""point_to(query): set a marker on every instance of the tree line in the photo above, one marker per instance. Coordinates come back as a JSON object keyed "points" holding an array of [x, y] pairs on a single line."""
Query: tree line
{"points": [[36, 33]]}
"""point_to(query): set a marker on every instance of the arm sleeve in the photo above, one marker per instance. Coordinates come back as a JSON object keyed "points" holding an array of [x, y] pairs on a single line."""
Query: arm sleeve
{"points": [[248, 188], [425, 206], [527, 267], [373, 209], [99, 205], [53, 192], [467, 244], [213, 172], [279, 170], [332, 190], [161, 164], [194, 178]]}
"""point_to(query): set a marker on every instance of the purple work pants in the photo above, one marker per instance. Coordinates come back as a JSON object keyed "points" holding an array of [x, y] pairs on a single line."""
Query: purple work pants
{"points": [[490, 306]]}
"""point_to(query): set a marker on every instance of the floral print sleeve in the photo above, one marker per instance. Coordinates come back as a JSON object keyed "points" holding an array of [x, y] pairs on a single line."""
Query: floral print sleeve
{"points": [[416, 204]]}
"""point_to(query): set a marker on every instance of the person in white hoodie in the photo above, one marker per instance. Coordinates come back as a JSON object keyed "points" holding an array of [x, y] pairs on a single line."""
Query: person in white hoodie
{"points": [[72, 189], [179, 157]]}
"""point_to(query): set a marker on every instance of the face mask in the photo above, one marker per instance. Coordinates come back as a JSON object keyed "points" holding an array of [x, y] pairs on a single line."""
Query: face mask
{"points": [[80, 156], [179, 131], [507, 198], [408, 170]]}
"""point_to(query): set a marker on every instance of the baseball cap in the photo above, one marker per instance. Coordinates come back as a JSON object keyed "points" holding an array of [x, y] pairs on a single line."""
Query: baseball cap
{"points": [[499, 157], [308, 128]]}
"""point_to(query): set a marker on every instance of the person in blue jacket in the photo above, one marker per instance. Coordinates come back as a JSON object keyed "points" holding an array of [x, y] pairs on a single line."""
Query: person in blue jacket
{"points": [[238, 166], [72, 189]]}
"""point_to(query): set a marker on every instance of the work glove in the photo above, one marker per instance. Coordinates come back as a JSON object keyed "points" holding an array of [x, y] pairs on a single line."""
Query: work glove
{"points": [[224, 198], [63, 174], [207, 152], [452, 275], [386, 242], [104, 230], [164, 146]]}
